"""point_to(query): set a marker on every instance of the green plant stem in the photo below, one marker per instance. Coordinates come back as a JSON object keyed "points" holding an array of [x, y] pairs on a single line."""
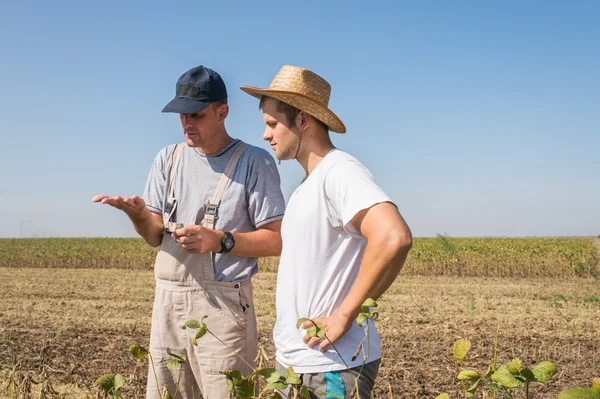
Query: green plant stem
{"points": [[178, 379], [154, 372], [461, 381], [496, 351], [526, 389], [364, 358], [231, 349], [336, 351]]}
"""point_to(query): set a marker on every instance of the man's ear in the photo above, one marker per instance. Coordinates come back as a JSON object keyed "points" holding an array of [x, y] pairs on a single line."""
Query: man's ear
{"points": [[223, 111], [304, 119]]}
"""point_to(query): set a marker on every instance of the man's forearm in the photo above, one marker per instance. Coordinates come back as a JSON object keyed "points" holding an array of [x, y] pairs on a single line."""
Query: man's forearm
{"points": [[381, 264], [255, 244], [149, 226]]}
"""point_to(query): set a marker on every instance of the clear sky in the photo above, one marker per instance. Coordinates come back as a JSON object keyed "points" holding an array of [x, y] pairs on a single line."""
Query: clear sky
{"points": [[477, 118]]}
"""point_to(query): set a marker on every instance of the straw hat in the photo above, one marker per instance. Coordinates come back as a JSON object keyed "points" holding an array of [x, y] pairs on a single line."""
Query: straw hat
{"points": [[304, 90]]}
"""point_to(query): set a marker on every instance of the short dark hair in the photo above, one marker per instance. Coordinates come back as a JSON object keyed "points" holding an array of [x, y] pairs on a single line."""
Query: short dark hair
{"points": [[288, 110]]}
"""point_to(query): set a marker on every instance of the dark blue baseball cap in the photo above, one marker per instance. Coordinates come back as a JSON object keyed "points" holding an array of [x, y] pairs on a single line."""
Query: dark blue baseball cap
{"points": [[195, 90]]}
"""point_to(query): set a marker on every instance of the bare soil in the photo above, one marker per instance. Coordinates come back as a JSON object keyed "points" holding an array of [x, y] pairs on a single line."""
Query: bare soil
{"points": [[74, 325]]}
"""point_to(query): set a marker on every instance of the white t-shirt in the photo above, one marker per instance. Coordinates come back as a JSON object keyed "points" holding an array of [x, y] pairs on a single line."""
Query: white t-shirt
{"points": [[321, 257]]}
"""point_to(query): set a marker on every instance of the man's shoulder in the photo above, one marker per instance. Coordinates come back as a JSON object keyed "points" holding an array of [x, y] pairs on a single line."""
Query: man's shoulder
{"points": [[168, 150], [253, 154], [339, 159], [164, 155]]}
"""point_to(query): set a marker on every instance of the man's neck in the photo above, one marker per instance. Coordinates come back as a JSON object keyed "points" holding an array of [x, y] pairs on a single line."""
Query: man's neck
{"points": [[215, 144], [313, 157]]}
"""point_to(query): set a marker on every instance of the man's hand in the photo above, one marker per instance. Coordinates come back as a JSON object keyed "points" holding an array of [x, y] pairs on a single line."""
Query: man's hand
{"points": [[336, 326], [134, 207], [198, 239], [148, 224]]}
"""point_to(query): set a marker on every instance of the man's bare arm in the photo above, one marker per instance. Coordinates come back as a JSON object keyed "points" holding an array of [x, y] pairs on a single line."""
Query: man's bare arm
{"points": [[147, 224], [265, 241], [389, 240]]}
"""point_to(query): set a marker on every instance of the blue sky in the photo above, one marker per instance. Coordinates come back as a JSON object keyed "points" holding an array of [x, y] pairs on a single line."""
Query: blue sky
{"points": [[477, 118]]}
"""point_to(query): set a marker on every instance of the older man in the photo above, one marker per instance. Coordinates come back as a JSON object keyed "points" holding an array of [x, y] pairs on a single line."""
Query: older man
{"points": [[213, 204]]}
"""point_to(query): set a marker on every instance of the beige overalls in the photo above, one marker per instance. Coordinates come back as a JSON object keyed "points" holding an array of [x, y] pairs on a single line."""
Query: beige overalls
{"points": [[186, 290]]}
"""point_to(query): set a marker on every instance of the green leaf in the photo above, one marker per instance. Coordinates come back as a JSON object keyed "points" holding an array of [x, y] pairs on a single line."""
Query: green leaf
{"points": [[443, 396], [468, 375], [270, 374], [291, 377], [374, 315], [138, 352], [199, 334], [316, 331], [370, 303], [111, 383], [301, 321], [596, 384], [492, 387], [181, 358], [579, 393], [360, 319], [473, 387], [231, 376], [515, 367], [238, 385], [191, 324], [544, 371], [119, 382], [489, 372], [460, 349], [304, 393], [107, 383], [276, 385], [528, 374], [276, 395], [230, 385], [172, 364], [505, 378], [321, 331]]}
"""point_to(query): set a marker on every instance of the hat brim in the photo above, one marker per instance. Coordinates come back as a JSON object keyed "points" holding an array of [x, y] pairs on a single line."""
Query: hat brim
{"points": [[181, 105], [302, 102]]}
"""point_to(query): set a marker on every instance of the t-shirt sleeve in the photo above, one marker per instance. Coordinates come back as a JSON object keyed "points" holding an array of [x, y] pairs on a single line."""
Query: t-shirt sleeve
{"points": [[350, 188], [155, 190], [263, 188]]}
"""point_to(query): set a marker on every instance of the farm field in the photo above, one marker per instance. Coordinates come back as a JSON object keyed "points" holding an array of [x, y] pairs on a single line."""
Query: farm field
{"points": [[439, 256], [74, 324]]}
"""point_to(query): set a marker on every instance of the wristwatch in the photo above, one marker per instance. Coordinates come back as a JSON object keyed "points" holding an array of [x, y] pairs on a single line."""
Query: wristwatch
{"points": [[227, 243]]}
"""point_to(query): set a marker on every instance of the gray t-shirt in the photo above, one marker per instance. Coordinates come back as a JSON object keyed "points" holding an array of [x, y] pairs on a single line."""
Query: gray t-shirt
{"points": [[252, 198]]}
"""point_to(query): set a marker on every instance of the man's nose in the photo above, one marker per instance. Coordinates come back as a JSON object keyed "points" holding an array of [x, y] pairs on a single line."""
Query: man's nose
{"points": [[267, 134], [186, 120]]}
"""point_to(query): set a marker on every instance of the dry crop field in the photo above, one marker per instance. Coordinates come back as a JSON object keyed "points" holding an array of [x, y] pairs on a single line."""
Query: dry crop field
{"points": [[73, 322]]}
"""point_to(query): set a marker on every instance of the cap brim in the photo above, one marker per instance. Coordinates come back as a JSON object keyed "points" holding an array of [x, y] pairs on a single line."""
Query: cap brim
{"points": [[181, 105]]}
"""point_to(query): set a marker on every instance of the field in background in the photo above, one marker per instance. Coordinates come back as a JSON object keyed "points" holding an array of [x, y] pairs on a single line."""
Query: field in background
{"points": [[440, 256], [74, 323]]}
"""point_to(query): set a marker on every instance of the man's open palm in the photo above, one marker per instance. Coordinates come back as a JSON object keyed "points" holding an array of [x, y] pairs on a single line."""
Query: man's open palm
{"points": [[133, 206]]}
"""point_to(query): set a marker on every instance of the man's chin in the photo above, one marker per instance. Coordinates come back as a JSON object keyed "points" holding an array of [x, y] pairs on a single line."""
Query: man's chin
{"points": [[191, 143], [283, 157]]}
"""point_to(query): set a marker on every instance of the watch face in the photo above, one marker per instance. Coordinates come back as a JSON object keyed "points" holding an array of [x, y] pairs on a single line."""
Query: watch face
{"points": [[228, 243]]}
